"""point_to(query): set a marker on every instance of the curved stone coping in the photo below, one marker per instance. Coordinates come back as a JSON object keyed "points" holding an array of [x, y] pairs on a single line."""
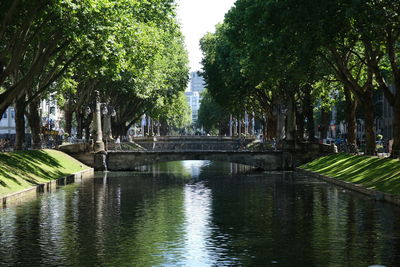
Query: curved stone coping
{"points": [[35, 191], [174, 138], [195, 151], [375, 194]]}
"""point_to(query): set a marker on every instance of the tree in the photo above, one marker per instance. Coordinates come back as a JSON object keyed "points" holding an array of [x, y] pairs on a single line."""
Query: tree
{"points": [[87, 44], [212, 116], [172, 114], [377, 23]]}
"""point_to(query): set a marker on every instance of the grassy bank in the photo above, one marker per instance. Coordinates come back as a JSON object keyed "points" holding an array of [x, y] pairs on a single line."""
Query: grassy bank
{"points": [[24, 169], [370, 172]]}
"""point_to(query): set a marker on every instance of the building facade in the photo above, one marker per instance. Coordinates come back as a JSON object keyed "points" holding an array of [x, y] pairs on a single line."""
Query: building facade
{"points": [[193, 96], [384, 116], [7, 122], [196, 82], [50, 113]]}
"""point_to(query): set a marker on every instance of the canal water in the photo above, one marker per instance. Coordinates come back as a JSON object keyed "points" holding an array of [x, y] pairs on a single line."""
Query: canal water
{"points": [[200, 213]]}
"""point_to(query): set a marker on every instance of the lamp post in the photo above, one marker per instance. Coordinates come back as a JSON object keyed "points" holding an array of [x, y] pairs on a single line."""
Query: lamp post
{"points": [[97, 132]]}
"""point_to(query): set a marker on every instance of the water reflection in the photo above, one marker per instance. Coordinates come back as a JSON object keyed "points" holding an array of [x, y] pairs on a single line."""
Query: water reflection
{"points": [[200, 213]]}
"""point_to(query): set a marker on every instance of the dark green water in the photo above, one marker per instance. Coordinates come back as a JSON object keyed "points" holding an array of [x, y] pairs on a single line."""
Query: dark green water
{"points": [[198, 213]]}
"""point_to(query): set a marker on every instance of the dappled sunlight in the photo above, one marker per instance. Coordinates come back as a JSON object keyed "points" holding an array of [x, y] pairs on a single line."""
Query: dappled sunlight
{"points": [[19, 170], [371, 172]]}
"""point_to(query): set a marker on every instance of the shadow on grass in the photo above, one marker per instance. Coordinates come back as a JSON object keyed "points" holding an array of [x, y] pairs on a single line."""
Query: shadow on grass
{"points": [[371, 172], [27, 165]]}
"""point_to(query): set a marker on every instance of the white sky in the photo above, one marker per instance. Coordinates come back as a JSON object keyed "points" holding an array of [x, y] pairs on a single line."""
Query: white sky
{"points": [[197, 18]]}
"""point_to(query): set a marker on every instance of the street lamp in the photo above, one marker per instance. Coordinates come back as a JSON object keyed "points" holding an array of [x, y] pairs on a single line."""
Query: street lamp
{"points": [[97, 133]]}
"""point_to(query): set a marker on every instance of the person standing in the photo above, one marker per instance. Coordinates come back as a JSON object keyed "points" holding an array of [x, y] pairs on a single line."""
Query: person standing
{"points": [[118, 143], [154, 141]]}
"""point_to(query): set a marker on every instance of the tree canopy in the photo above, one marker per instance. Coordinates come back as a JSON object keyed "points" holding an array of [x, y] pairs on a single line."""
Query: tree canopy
{"points": [[292, 56]]}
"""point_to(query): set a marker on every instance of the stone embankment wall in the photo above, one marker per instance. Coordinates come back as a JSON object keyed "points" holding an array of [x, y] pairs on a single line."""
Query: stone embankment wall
{"points": [[375, 194], [33, 192]]}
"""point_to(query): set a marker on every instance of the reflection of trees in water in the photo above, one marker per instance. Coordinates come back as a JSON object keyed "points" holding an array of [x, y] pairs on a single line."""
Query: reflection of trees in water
{"points": [[254, 218], [194, 169], [110, 222], [298, 222], [172, 168], [149, 218], [218, 168]]}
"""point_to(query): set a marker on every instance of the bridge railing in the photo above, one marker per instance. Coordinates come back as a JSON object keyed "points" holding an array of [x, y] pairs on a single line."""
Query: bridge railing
{"points": [[192, 145]]}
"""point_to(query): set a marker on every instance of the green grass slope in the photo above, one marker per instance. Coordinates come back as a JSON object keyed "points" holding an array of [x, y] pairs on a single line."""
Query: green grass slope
{"points": [[370, 172], [24, 169]]}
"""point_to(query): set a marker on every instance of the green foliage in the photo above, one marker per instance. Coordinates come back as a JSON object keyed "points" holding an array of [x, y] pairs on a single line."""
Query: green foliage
{"points": [[174, 112], [212, 116], [266, 52], [222, 70], [132, 51]]}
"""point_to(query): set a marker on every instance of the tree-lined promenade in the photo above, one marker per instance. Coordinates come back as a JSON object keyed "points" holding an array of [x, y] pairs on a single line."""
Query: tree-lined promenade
{"points": [[301, 58], [268, 59], [130, 51]]}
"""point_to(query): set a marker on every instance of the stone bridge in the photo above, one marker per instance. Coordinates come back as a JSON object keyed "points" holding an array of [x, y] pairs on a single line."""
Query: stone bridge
{"points": [[128, 160], [163, 143], [125, 160]]}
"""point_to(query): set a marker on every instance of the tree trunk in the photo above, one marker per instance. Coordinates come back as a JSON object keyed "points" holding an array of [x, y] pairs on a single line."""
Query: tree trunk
{"points": [[300, 124], [281, 126], [291, 121], [19, 106], [351, 107], [223, 128], [369, 119], [309, 115], [164, 127], [324, 124], [79, 128], [119, 128], [264, 129], [13, 94], [250, 128], [396, 128], [68, 113], [35, 124], [272, 127], [87, 132]]}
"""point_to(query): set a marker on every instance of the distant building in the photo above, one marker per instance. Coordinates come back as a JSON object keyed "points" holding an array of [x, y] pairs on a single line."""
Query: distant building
{"points": [[384, 116], [7, 122], [193, 99], [193, 96], [196, 82], [50, 113]]}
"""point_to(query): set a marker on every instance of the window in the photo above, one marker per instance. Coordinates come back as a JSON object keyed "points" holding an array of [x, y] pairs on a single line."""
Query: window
{"points": [[4, 115], [12, 114]]}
